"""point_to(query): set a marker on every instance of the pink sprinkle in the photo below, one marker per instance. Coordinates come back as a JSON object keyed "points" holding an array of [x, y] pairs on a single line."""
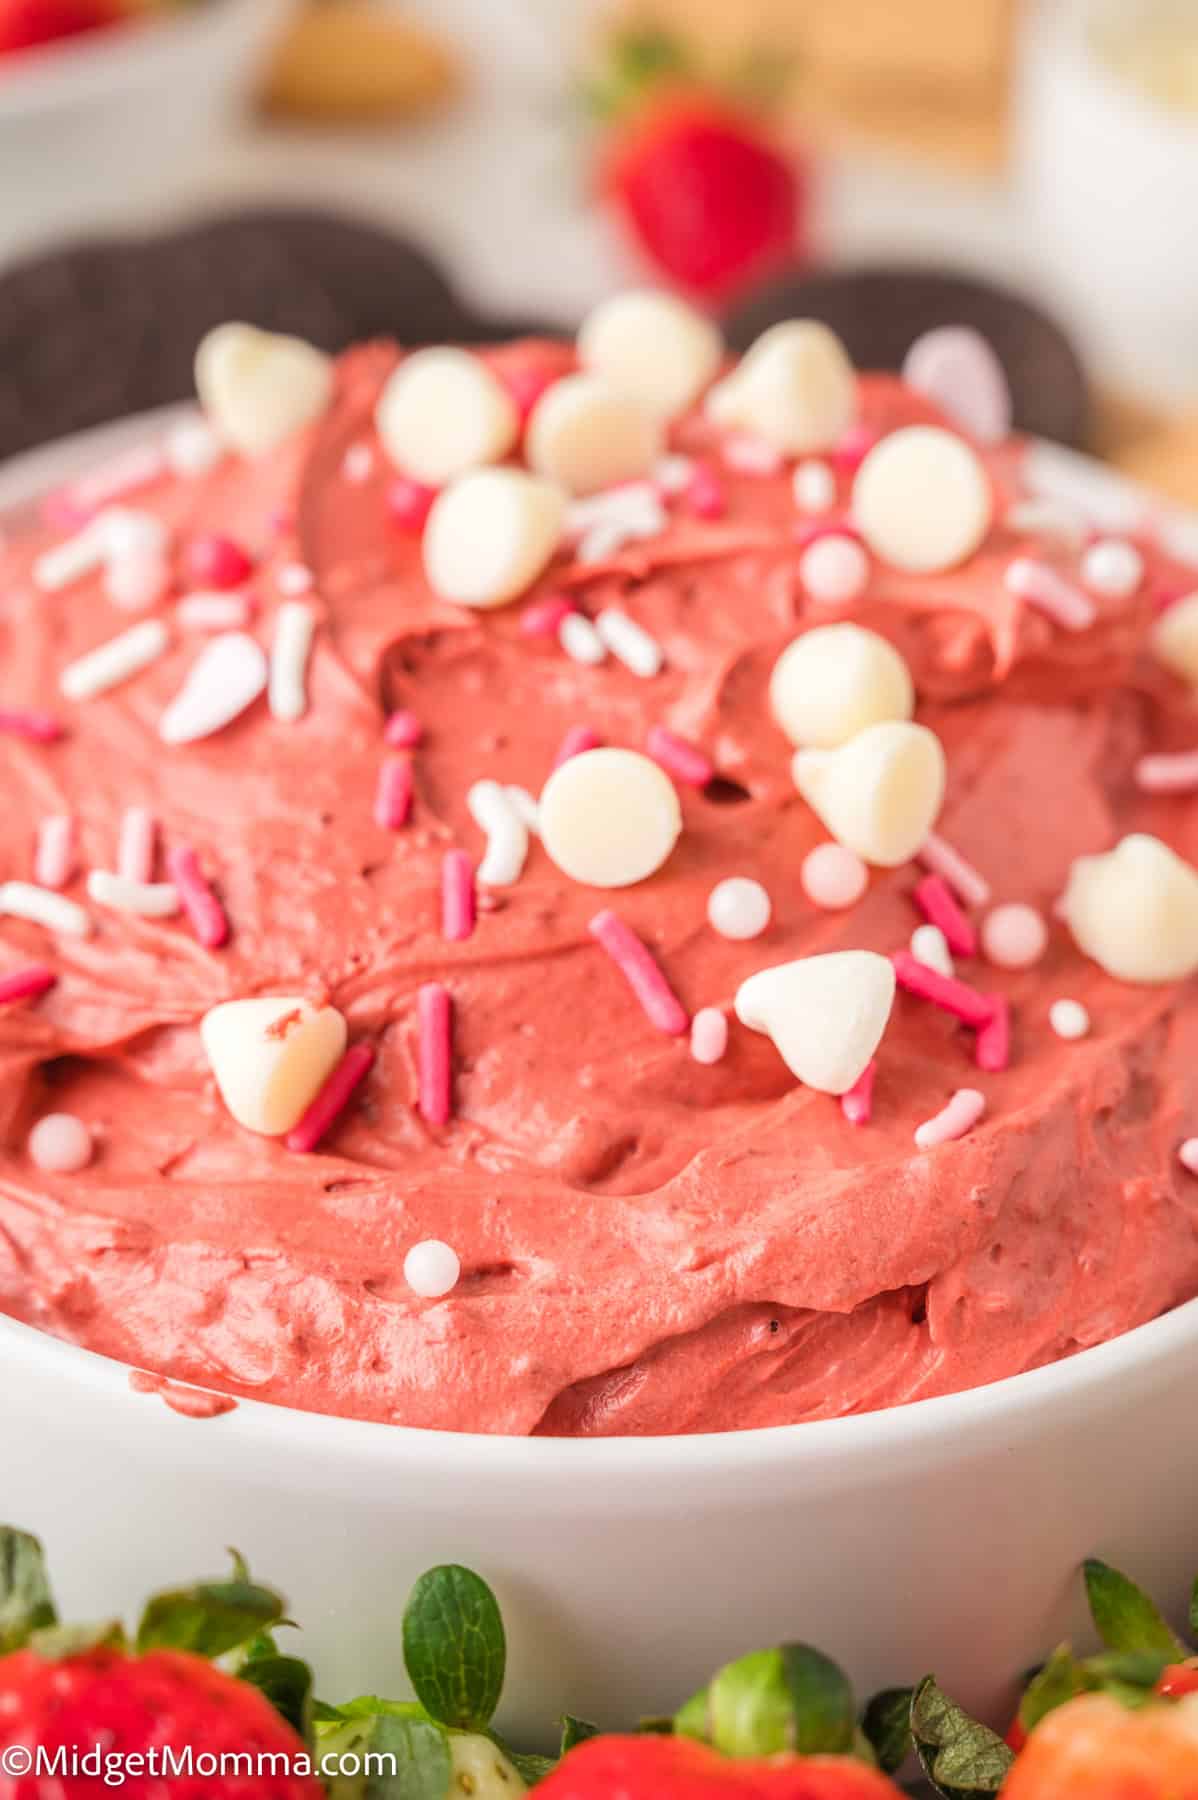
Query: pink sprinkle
{"points": [[208, 918], [1050, 594], [54, 855], [679, 757], [854, 447], [709, 1035], [1168, 774], [332, 1099], [704, 494], [992, 1046], [1187, 1155], [962, 877], [938, 905], [403, 731], [26, 984], [952, 1121], [138, 844], [953, 996], [409, 503], [214, 612], [542, 617], [642, 974], [576, 740], [751, 455], [393, 794], [857, 1104], [435, 1056], [215, 561], [457, 896], [43, 728]]}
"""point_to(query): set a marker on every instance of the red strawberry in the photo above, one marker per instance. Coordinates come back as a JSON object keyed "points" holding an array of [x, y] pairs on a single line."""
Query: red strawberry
{"points": [[666, 1768], [710, 200], [106, 1701], [1095, 1749], [1179, 1679], [24, 24]]}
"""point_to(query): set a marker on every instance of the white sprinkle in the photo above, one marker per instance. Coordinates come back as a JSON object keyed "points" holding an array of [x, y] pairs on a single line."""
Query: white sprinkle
{"points": [[930, 947], [1049, 593], [751, 456], [1069, 1019], [22, 900], [226, 678], [137, 844], [192, 447], [602, 542], [814, 487], [525, 807], [211, 610], [150, 899], [673, 474], [69, 561], [357, 465], [1187, 1155], [1108, 500], [294, 627], [709, 1034], [114, 662], [431, 1269], [579, 639], [1057, 520], [506, 834], [294, 579], [635, 507], [54, 856], [629, 642], [1113, 567], [137, 581], [127, 531], [738, 908]]}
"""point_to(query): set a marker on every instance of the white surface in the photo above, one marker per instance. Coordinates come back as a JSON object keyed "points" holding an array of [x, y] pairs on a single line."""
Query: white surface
{"points": [[944, 1535]]}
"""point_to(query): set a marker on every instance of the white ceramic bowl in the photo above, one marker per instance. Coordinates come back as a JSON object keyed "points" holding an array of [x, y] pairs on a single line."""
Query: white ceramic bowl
{"points": [[97, 128], [939, 1536]]}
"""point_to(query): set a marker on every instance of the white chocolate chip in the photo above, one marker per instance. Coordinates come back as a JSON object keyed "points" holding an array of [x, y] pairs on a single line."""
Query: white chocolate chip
{"points": [[825, 1014], [1175, 638], [490, 534], [609, 818], [832, 682], [956, 368], [879, 794], [1113, 567], [652, 348], [227, 677], [922, 500], [587, 435], [1135, 910], [271, 1057], [795, 387], [443, 412], [257, 387]]}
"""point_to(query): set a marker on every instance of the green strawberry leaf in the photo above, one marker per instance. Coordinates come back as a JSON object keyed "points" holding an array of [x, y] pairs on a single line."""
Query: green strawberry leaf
{"points": [[1060, 1679], [1130, 1668], [286, 1682], [210, 1618], [575, 1731], [1124, 1616], [962, 1759], [886, 1723], [454, 1646], [404, 1756], [26, 1603], [366, 1706], [57, 1641], [530, 1767]]}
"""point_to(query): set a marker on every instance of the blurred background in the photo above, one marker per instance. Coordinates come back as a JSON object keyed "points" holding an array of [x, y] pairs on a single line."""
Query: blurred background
{"points": [[458, 168]]}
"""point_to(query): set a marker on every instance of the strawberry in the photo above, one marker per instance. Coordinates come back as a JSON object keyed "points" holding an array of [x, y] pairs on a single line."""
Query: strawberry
{"points": [[1095, 1749], [122, 1706], [26, 24], [706, 194], [665, 1768]]}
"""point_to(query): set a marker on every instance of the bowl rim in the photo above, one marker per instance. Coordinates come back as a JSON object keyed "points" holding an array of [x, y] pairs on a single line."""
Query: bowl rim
{"points": [[910, 1427], [95, 64]]}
